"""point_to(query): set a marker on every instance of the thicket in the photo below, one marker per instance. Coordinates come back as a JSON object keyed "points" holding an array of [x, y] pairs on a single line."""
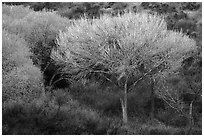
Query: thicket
{"points": [[21, 79], [28, 38], [44, 117], [40, 30]]}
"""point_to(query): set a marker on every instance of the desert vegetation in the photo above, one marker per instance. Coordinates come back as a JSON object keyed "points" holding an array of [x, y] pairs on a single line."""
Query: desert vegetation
{"points": [[107, 68]]}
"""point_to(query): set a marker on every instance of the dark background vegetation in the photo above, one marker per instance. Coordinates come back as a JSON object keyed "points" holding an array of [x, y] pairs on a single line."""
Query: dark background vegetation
{"points": [[92, 108]]}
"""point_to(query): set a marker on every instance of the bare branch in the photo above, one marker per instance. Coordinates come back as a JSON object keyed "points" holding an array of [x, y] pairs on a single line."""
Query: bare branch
{"points": [[177, 109], [53, 76], [109, 80], [60, 80], [138, 80], [100, 71]]}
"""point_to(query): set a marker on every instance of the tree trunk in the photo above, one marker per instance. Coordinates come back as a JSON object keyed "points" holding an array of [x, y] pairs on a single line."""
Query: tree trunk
{"points": [[124, 110], [152, 101], [152, 106], [190, 118], [124, 104]]}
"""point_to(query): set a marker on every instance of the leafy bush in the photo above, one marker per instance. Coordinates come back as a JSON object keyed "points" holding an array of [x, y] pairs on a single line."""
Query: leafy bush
{"points": [[16, 12], [13, 13], [14, 52], [40, 30], [40, 117], [20, 78], [41, 34], [24, 82]]}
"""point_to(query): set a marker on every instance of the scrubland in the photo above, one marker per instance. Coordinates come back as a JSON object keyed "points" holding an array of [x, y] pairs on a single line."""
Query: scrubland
{"points": [[70, 70]]}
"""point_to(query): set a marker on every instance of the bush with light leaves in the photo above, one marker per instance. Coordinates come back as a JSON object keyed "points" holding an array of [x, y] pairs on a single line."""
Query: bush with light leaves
{"points": [[21, 80]]}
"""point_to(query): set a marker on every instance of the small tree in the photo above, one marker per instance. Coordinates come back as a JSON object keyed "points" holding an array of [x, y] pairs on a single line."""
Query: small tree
{"points": [[123, 49], [181, 91], [193, 81]]}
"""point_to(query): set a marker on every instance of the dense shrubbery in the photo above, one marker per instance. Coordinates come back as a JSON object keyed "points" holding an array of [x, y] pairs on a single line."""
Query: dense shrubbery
{"points": [[183, 16], [21, 79], [43, 117], [15, 12], [28, 38], [39, 29], [15, 53]]}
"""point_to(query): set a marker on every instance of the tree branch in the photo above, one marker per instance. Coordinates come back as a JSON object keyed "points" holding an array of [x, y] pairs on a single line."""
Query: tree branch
{"points": [[52, 78], [108, 79], [59, 80], [100, 71], [138, 80], [177, 109]]}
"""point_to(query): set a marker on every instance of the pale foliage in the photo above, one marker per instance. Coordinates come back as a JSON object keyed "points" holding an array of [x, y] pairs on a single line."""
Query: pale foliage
{"points": [[14, 52], [12, 13], [122, 45], [39, 29], [20, 78], [23, 83], [15, 12], [39, 22]]}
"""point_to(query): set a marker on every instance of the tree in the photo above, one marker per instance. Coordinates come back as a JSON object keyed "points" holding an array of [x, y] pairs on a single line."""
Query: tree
{"points": [[192, 81], [182, 90], [123, 49]]}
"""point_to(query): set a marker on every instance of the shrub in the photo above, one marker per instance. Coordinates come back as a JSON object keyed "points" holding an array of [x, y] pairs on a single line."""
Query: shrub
{"points": [[13, 13], [39, 118], [22, 83], [14, 52], [77, 10], [158, 130], [107, 99], [171, 118], [40, 30], [20, 78]]}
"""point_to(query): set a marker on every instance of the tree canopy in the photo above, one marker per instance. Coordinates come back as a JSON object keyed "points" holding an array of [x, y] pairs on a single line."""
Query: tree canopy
{"points": [[129, 45]]}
